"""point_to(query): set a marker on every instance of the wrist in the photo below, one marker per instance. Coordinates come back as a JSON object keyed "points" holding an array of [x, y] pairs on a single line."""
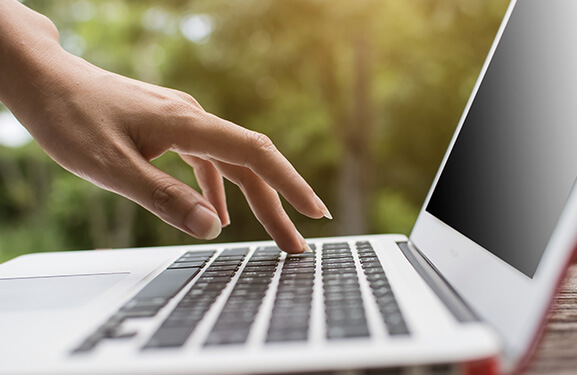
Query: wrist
{"points": [[29, 44]]}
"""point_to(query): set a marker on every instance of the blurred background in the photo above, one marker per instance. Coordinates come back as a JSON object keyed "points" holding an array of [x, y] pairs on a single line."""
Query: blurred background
{"points": [[361, 96]]}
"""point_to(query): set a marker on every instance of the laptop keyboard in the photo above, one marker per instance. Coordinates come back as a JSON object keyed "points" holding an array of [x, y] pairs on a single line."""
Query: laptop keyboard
{"points": [[290, 314], [182, 321], [240, 310], [344, 311], [384, 296]]}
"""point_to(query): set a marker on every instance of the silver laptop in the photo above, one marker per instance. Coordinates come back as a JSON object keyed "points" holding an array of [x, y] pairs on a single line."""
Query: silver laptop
{"points": [[468, 292]]}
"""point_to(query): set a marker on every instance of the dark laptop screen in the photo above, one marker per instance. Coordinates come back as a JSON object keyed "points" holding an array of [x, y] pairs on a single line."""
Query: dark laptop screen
{"points": [[514, 162]]}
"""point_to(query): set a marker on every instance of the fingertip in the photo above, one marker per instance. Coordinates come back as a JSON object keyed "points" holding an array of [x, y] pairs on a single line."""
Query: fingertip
{"points": [[203, 223], [225, 219], [301, 246], [322, 207]]}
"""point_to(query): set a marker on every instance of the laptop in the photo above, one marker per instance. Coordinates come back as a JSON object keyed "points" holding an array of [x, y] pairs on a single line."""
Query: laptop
{"points": [[467, 292]]}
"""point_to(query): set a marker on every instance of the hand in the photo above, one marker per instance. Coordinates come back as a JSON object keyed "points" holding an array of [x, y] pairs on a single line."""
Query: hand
{"points": [[107, 128]]}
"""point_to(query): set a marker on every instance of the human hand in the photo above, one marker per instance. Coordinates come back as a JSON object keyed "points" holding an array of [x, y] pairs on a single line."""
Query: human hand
{"points": [[106, 128]]}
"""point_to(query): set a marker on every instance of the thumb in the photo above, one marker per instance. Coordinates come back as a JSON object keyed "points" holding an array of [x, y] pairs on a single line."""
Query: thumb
{"points": [[171, 200]]}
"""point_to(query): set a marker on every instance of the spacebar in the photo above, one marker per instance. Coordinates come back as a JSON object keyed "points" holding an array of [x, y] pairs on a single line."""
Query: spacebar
{"points": [[167, 283]]}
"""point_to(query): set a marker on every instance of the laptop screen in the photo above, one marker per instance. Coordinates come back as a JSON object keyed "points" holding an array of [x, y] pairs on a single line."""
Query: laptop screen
{"points": [[514, 162]]}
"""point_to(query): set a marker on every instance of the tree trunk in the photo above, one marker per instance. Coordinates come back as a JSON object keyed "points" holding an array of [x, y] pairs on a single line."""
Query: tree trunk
{"points": [[356, 167]]}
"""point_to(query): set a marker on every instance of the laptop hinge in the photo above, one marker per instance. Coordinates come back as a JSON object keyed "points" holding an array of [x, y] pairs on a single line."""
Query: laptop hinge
{"points": [[438, 284]]}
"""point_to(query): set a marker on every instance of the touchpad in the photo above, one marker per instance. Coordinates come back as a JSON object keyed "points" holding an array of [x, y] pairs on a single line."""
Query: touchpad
{"points": [[53, 292]]}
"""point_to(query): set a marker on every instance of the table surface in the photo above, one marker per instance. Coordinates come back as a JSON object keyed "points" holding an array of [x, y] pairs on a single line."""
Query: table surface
{"points": [[557, 350]]}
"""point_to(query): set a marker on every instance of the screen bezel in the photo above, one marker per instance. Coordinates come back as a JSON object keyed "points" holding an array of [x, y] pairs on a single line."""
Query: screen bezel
{"points": [[513, 303]]}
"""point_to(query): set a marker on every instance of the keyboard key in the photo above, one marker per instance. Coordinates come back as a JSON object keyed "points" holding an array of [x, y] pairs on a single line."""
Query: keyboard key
{"points": [[183, 264], [203, 253], [292, 334], [226, 263], [218, 268], [263, 262], [232, 252], [88, 344], [169, 337], [228, 336], [167, 283], [267, 250], [234, 258], [347, 331]]}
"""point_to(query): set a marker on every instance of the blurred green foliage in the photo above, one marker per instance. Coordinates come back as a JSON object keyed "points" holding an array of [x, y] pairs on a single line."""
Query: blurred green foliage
{"points": [[362, 96]]}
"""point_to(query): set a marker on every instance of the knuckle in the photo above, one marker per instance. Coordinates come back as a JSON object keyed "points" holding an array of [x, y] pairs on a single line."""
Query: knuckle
{"points": [[262, 146], [175, 108], [257, 146], [243, 181], [244, 178], [238, 178], [163, 193], [179, 104], [262, 142], [186, 101], [192, 101]]}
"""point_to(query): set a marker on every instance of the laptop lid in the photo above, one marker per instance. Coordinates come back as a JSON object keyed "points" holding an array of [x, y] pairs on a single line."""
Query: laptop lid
{"points": [[500, 220]]}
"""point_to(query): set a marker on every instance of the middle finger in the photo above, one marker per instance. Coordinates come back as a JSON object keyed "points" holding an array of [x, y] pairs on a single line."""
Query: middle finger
{"points": [[267, 207]]}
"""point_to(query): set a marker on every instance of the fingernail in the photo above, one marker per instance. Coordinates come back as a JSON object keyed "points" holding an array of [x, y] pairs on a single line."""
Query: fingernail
{"points": [[323, 208], [225, 220], [304, 245], [203, 223]]}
